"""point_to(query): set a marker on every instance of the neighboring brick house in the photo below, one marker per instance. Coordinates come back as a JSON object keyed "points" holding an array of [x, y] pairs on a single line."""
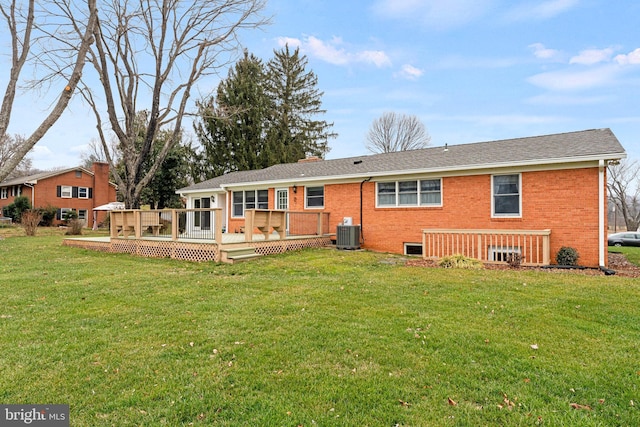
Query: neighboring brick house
{"points": [[553, 182], [76, 189]]}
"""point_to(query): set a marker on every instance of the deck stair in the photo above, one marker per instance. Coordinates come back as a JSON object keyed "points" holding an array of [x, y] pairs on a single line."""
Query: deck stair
{"points": [[234, 255]]}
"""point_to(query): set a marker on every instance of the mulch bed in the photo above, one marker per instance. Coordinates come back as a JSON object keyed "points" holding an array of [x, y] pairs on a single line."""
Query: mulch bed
{"points": [[617, 263]]}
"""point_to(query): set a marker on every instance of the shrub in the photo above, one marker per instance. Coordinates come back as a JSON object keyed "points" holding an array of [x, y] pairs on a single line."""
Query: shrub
{"points": [[48, 215], [460, 261], [70, 215], [567, 256], [15, 209], [30, 220], [74, 227], [514, 260]]}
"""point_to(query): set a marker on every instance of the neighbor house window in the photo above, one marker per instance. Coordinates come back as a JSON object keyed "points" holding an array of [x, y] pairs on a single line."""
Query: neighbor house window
{"points": [[82, 215], [314, 197], [252, 199], [83, 192], [63, 213], [423, 192], [506, 195], [3, 193], [66, 191]]}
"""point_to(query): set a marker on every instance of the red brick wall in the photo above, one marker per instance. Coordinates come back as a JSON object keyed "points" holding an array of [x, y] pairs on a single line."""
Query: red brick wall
{"points": [[46, 192], [564, 201]]}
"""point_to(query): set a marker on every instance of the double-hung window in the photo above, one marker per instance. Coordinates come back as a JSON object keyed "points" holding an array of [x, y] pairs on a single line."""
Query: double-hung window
{"points": [[83, 192], [250, 199], [66, 191], [314, 197], [421, 192], [507, 200]]}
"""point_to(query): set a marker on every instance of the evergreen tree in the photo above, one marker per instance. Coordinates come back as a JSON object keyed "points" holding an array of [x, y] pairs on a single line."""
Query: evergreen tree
{"points": [[231, 127], [295, 132], [262, 116]]}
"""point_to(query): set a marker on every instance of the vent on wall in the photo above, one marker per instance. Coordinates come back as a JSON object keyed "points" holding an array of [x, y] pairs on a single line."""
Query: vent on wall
{"points": [[348, 237]]}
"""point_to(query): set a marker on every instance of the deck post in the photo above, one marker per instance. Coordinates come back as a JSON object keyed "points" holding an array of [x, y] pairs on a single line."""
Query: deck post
{"points": [[248, 225], [319, 232], [113, 229], [217, 223], [174, 224], [137, 223]]}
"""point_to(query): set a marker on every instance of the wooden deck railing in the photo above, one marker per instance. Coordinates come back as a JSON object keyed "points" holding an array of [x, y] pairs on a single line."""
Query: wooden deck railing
{"points": [[488, 245], [207, 224], [174, 224]]}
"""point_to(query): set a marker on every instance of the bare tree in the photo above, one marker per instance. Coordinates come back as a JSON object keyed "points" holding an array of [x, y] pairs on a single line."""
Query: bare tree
{"points": [[397, 132], [148, 56], [24, 27], [624, 191], [9, 145]]}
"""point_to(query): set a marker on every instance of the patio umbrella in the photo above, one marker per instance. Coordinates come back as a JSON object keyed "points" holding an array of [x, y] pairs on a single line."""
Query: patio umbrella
{"points": [[111, 206]]}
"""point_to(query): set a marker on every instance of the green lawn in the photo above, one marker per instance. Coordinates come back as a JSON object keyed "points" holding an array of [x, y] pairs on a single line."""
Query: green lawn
{"points": [[317, 337]]}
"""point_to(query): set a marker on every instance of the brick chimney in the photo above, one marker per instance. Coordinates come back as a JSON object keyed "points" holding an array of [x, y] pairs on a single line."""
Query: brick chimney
{"points": [[103, 192], [310, 159]]}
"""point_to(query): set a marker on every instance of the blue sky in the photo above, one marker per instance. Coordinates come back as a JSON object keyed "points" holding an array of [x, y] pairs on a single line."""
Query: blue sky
{"points": [[471, 70]]}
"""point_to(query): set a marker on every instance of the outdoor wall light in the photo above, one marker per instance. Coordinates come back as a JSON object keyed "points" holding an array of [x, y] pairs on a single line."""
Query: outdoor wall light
{"points": [[295, 189], [213, 199]]}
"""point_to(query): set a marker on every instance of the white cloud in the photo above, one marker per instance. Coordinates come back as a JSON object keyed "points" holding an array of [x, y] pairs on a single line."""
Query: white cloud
{"points": [[541, 52], [540, 10], [632, 58], [563, 80], [335, 51], [292, 42], [553, 99], [375, 57], [410, 72], [593, 56], [434, 14]]}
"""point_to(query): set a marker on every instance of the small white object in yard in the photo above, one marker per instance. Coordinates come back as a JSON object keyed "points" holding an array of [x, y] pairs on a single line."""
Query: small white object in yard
{"points": [[534, 346]]}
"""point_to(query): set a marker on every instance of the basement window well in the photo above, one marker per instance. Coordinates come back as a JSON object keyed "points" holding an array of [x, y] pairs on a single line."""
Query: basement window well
{"points": [[413, 249]]}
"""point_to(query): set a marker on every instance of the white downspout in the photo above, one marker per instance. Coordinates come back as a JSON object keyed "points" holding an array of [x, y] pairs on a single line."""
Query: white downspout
{"points": [[602, 212]]}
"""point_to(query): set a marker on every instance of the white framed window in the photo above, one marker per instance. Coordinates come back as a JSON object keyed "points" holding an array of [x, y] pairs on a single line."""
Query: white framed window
{"points": [[4, 193], [413, 248], [251, 199], [506, 200], [421, 192], [501, 253], [66, 191], [82, 215], [64, 212], [83, 193], [314, 197]]}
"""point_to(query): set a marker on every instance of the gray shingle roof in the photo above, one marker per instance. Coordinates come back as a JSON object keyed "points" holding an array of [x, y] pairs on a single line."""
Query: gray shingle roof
{"points": [[588, 145], [32, 179]]}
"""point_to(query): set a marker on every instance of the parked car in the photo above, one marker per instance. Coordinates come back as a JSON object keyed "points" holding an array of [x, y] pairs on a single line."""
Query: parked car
{"points": [[624, 239]]}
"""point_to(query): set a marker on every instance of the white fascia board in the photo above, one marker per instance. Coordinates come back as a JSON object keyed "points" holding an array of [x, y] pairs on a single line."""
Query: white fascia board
{"points": [[203, 191], [532, 165]]}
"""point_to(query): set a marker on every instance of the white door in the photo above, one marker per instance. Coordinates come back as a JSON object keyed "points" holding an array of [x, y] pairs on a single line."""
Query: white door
{"points": [[282, 203], [282, 199]]}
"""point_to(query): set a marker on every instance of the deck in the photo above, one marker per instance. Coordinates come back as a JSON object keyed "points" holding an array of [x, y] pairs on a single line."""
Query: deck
{"points": [[134, 232]]}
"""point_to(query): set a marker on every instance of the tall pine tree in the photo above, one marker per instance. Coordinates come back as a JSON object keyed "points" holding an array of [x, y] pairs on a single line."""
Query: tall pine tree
{"points": [[262, 116], [231, 128], [295, 131]]}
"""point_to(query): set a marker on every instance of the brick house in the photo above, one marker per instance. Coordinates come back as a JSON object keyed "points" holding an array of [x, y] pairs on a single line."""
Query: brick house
{"points": [[76, 189], [555, 183]]}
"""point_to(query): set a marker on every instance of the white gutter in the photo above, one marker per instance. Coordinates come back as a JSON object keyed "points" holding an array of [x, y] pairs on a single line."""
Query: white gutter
{"points": [[602, 165], [480, 168], [33, 193]]}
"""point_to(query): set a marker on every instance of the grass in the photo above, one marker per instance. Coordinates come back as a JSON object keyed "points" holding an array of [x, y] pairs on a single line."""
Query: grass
{"points": [[317, 337], [632, 253]]}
